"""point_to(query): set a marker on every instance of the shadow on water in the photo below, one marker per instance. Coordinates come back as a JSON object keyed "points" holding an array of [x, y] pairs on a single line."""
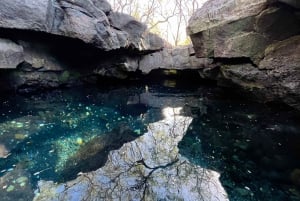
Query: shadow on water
{"points": [[93, 154], [59, 134], [254, 147], [56, 135]]}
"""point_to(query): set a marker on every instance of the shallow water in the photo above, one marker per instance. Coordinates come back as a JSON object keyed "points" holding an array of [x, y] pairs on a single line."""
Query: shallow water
{"points": [[255, 148]]}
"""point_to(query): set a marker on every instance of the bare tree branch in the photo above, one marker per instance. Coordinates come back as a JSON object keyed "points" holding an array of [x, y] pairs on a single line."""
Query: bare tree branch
{"points": [[167, 18]]}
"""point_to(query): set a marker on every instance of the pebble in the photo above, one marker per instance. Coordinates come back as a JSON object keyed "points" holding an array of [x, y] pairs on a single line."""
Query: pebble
{"points": [[10, 188], [79, 141], [137, 131], [23, 184], [19, 125], [19, 136], [21, 180]]}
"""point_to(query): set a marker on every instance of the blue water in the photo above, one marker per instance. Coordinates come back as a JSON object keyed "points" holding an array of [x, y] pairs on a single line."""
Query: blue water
{"points": [[255, 147]]}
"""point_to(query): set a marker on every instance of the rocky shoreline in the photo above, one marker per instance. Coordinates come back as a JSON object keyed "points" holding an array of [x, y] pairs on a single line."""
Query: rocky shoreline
{"points": [[253, 46]]}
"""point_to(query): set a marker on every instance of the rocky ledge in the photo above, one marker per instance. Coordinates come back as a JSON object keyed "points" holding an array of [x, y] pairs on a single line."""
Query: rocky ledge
{"points": [[255, 46], [250, 45], [91, 21], [148, 168], [48, 44]]}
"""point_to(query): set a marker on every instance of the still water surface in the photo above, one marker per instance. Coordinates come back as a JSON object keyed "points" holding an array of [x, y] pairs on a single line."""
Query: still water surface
{"points": [[254, 147]]}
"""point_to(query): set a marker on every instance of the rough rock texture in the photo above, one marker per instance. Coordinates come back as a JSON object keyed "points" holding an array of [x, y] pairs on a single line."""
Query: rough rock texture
{"points": [[11, 54], [177, 58], [60, 43], [90, 21], [148, 168], [229, 29], [255, 44]]}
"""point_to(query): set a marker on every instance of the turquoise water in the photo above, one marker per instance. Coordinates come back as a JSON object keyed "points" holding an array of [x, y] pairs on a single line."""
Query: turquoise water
{"points": [[255, 147]]}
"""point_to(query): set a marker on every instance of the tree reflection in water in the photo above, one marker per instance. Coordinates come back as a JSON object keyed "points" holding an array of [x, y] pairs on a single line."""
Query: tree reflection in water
{"points": [[148, 168]]}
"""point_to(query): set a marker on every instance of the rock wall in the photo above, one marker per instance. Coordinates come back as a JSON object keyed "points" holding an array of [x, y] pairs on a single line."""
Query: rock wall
{"points": [[254, 44], [88, 20], [47, 44]]}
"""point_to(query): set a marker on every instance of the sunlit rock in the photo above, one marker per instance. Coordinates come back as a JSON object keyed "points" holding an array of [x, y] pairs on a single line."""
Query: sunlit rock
{"points": [[255, 43], [90, 21], [149, 168]]}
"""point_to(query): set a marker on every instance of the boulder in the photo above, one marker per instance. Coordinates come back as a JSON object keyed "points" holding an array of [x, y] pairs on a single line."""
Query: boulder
{"points": [[11, 54], [255, 43], [215, 13], [233, 29], [148, 168], [277, 76], [90, 21]]}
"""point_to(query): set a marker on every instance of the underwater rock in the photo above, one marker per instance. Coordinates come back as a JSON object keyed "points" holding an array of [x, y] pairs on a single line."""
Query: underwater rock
{"points": [[16, 185], [148, 168], [93, 154], [12, 133]]}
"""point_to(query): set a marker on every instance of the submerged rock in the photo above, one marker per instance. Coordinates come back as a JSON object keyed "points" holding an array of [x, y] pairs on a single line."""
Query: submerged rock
{"points": [[149, 168], [16, 185], [93, 154]]}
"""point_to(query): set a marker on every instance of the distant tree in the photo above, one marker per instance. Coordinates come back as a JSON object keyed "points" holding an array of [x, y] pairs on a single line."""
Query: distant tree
{"points": [[167, 18]]}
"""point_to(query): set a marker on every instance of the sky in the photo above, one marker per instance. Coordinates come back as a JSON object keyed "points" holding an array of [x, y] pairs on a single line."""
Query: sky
{"points": [[169, 29]]}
